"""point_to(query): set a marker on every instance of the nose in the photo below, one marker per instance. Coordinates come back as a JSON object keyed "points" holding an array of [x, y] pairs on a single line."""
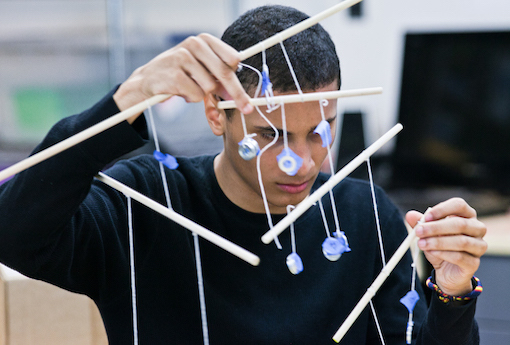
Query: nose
{"points": [[304, 150]]}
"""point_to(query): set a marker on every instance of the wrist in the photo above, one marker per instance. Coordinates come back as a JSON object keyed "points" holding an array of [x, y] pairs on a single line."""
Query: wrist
{"points": [[463, 295], [127, 95]]}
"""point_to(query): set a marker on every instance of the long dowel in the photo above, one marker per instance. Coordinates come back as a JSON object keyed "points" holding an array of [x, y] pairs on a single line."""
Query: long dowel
{"points": [[181, 220], [326, 187], [381, 278], [79, 137], [126, 114], [295, 29], [305, 97]]}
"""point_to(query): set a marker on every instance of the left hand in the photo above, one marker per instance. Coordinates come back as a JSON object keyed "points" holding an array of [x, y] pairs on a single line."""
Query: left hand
{"points": [[452, 239]]}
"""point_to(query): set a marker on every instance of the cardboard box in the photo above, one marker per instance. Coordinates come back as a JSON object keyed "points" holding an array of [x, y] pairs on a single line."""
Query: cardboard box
{"points": [[33, 312]]}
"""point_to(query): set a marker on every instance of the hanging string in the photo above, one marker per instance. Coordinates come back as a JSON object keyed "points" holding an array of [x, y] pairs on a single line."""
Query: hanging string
{"points": [[379, 235], [293, 261], [198, 261], [201, 291], [291, 68], [132, 270], [376, 212], [322, 104], [410, 299], [323, 216], [161, 166], [376, 319], [264, 149]]}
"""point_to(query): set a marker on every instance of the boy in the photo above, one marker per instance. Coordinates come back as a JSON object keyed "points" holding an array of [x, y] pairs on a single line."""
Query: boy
{"points": [[61, 226]]}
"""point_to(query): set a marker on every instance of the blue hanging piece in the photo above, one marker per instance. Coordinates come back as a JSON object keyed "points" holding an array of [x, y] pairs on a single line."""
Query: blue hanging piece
{"points": [[168, 160], [289, 162], [334, 247], [410, 299], [266, 83], [248, 148], [324, 130], [294, 263]]}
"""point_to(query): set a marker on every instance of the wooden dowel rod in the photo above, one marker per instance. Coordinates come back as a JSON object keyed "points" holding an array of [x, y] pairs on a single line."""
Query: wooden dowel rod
{"points": [[305, 97], [326, 187], [295, 29], [181, 220], [381, 278], [79, 137]]}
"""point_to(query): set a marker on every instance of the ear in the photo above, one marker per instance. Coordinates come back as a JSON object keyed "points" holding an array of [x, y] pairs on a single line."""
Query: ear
{"points": [[215, 117]]}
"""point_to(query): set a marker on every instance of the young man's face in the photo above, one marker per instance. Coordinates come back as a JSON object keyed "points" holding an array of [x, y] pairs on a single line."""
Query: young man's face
{"points": [[238, 177]]}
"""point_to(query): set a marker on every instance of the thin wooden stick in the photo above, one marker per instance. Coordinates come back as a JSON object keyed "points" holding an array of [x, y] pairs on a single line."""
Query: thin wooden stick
{"points": [[305, 97], [381, 278], [79, 137], [126, 114], [295, 29], [326, 187], [181, 220]]}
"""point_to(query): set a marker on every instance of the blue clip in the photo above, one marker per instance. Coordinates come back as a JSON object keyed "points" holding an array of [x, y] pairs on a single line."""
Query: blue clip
{"points": [[410, 299], [266, 83], [294, 263], [289, 162], [168, 160], [334, 247], [324, 130]]}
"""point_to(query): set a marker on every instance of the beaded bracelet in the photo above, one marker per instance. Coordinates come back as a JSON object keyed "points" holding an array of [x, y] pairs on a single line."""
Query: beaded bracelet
{"points": [[447, 298]]}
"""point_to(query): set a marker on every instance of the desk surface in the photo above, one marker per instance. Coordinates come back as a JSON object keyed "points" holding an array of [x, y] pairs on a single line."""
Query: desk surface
{"points": [[498, 234]]}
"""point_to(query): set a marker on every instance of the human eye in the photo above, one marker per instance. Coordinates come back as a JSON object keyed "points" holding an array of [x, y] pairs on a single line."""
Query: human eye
{"points": [[268, 135]]}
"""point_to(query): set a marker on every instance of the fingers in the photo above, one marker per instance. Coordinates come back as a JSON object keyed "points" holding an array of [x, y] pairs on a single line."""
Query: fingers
{"points": [[472, 246], [221, 61], [452, 226], [198, 66], [453, 206], [461, 260]]}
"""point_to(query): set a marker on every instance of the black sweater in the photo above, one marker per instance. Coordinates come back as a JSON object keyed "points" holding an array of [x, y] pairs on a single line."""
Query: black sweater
{"points": [[61, 226]]}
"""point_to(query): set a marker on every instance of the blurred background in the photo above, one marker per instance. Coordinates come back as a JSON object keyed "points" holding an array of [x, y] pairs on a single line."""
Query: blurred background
{"points": [[444, 67]]}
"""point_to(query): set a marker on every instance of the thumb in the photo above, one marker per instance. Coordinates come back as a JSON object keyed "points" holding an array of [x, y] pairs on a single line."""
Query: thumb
{"points": [[412, 217]]}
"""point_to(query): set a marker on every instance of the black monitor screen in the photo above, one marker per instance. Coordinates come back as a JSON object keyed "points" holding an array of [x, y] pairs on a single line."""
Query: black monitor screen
{"points": [[455, 108]]}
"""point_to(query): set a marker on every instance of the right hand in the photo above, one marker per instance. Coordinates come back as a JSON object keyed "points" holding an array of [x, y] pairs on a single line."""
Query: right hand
{"points": [[198, 66]]}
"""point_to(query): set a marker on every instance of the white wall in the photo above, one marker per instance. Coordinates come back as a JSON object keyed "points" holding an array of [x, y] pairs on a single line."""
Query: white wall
{"points": [[370, 47]]}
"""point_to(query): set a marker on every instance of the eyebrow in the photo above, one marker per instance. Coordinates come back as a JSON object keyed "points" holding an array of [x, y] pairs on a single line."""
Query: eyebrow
{"points": [[280, 131]]}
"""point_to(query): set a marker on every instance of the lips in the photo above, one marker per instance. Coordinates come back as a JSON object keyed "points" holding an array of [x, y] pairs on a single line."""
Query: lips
{"points": [[293, 188]]}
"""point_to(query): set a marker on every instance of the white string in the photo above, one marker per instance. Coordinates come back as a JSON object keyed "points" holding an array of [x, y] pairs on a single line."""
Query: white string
{"points": [[284, 128], [132, 269], [324, 220], [198, 261], [161, 166], [264, 149], [322, 104], [259, 176], [292, 233], [379, 331], [269, 90], [410, 322], [379, 235], [291, 69], [376, 212], [201, 291]]}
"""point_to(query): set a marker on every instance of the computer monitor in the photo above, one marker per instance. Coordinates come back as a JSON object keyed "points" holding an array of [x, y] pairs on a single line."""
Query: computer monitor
{"points": [[455, 109]]}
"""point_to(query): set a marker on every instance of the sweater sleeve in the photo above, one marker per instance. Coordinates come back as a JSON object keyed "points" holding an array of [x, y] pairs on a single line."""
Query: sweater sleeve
{"points": [[449, 324], [40, 207]]}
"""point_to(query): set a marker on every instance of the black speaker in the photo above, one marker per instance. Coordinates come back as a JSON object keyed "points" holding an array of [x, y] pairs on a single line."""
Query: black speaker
{"points": [[356, 11]]}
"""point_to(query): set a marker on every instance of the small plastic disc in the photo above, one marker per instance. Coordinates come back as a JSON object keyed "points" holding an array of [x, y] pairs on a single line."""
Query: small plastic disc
{"points": [[248, 148], [294, 263]]}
